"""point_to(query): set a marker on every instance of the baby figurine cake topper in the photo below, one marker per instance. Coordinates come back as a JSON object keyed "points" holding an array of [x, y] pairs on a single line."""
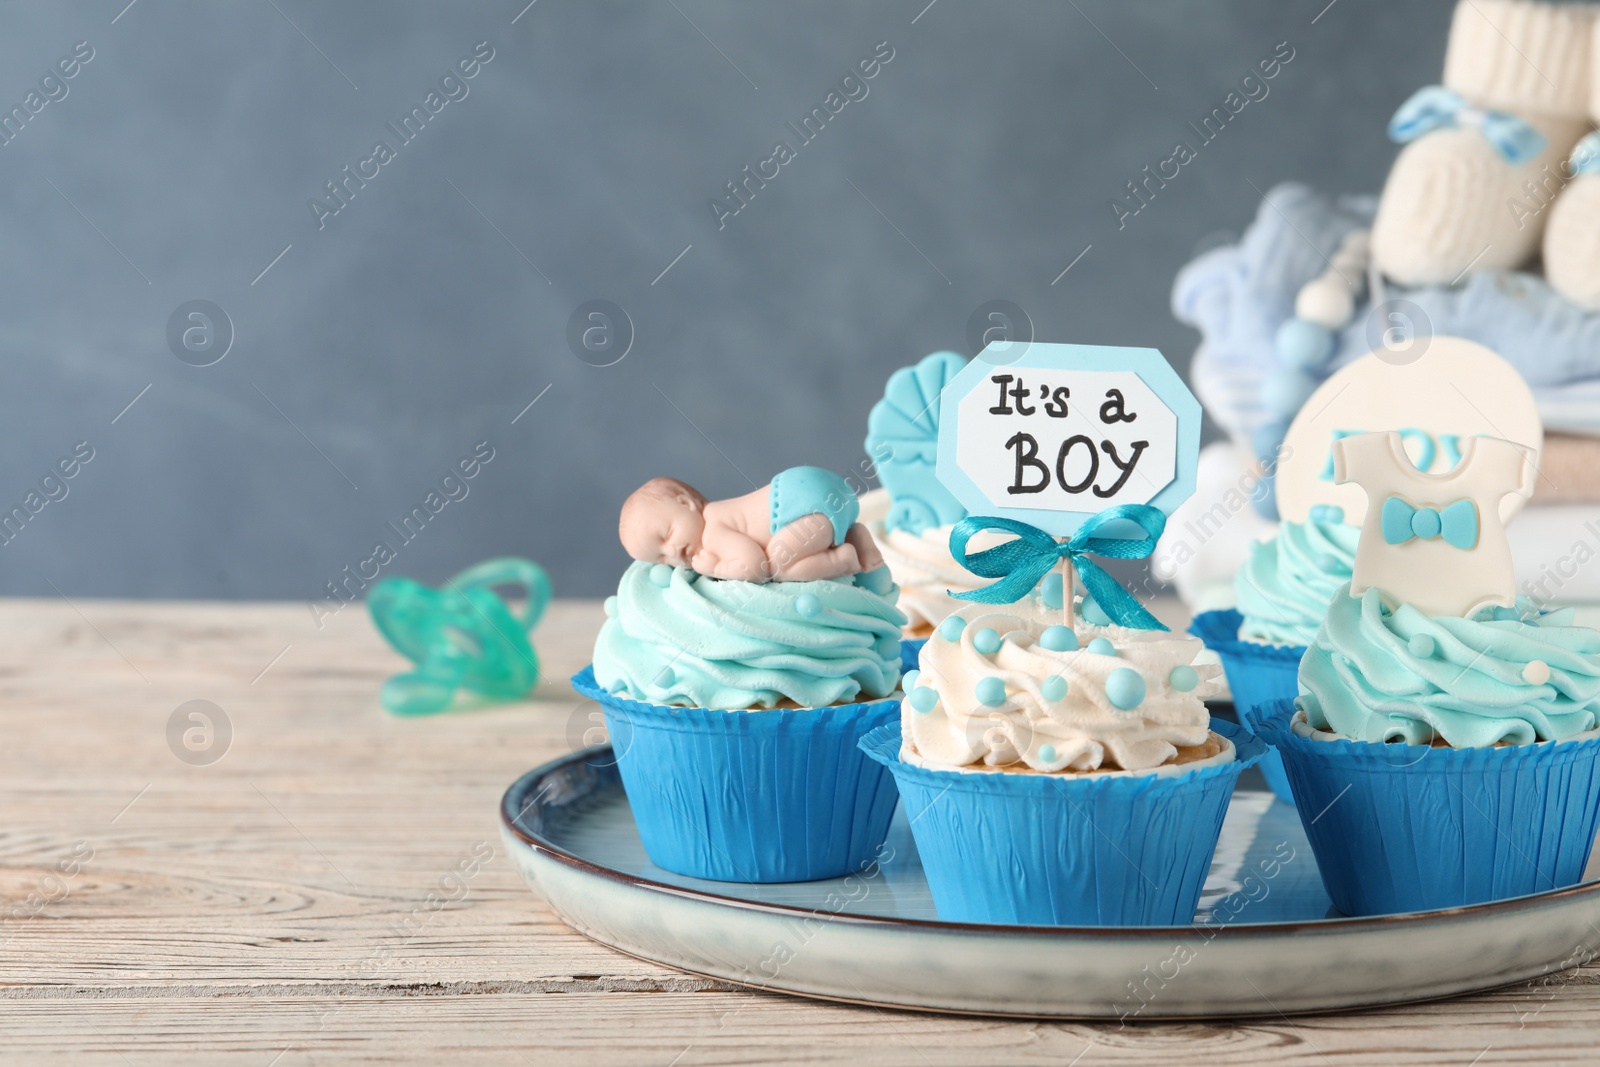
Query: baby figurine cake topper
{"points": [[800, 528], [1434, 541]]}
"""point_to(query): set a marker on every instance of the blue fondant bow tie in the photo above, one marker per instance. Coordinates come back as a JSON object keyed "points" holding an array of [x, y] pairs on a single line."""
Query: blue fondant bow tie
{"points": [[1456, 524], [1586, 157], [1021, 563], [1436, 108]]}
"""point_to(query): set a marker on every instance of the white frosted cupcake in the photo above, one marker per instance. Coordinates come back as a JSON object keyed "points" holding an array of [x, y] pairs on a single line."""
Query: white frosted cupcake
{"points": [[1003, 692], [1062, 776], [922, 566], [912, 516]]}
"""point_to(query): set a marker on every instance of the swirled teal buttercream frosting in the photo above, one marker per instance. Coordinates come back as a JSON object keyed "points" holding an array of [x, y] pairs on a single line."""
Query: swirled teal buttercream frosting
{"points": [[1503, 676], [1284, 588], [682, 639]]}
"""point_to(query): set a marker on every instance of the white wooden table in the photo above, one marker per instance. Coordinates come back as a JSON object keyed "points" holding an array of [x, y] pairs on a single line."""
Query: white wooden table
{"points": [[294, 902]]}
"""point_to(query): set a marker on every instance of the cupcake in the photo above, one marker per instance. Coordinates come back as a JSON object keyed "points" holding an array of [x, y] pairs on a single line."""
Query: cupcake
{"points": [[926, 573], [735, 703], [1282, 593], [1444, 749], [911, 516], [1062, 776]]}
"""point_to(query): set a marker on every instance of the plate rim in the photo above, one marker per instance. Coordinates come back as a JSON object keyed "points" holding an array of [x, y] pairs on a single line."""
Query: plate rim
{"points": [[1353, 924], [988, 1013]]}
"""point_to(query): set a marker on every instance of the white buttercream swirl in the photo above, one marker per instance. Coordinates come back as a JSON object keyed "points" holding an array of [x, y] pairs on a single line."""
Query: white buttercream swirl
{"points": [[923, 569], [1083, 731]]}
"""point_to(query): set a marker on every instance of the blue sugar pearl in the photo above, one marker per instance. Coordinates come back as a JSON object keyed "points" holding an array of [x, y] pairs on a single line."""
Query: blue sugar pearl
{"points": [[807, 606], [889, 648], [1101, 647], [991, 692], [1094, 613], [661, 574], [1425, 523], [1286, 390], [923, 698], [611, 607], [1125, 688], [986, 641], [1053, 687], [1047, 753], [951, 628], [1421, 646], [1183, 679], [1326, 513], [908, 680], [666, 677], [1058, 639], [1303, 345], [1050, 591]]}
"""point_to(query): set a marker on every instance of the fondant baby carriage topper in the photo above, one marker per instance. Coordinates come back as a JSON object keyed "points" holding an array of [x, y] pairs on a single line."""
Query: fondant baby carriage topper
{"points": [[1087, 444], [801, 527]]}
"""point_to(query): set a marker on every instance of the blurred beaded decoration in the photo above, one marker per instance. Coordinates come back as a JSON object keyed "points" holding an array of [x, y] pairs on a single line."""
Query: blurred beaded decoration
{"points": [[464, 635], [1305, 343]]}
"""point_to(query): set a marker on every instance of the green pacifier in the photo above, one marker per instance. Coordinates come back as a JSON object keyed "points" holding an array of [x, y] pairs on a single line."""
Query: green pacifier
{"points": [[461, 636]]}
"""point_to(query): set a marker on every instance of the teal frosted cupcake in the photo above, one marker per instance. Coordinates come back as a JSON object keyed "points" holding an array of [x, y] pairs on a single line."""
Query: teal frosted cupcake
{"points": [[1441, 761], [1283, 590], [1282, 593], [1062, 776], [735, 709]]}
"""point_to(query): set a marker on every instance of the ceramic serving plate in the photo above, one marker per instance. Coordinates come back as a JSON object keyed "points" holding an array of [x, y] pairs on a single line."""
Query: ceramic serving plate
{"points": [[1263, 943]]}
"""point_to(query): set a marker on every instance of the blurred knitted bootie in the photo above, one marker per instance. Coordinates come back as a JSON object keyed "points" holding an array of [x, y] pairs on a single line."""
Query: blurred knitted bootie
{"points": [[1486, 149], [1572, 243]]}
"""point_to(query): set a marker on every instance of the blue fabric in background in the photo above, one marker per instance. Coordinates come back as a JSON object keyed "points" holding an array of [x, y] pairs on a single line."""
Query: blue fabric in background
{"points": [[1238, 296]]}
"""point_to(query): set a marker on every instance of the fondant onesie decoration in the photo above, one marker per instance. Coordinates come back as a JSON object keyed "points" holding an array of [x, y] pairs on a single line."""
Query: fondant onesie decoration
{"points": [[1434, 541], [800, 528]]}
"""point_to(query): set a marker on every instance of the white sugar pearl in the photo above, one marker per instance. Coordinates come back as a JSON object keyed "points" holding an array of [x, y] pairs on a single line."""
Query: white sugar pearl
{"points": [[1326, 302]]}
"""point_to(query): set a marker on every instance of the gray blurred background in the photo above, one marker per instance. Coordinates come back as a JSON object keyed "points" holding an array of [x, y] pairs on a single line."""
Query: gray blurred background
{"points": [[373, 349]]}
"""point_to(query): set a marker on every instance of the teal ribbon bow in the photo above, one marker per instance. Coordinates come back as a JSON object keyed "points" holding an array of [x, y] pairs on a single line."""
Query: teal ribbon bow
{"points": [[1586, 157], [1437, 108], [1020, 564], [1456, 524]]}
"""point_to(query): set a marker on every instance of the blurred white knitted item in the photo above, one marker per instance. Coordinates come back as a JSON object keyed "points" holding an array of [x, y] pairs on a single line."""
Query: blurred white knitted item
{"points": [[1208, 537], [1453, 201], [1572, 244]]}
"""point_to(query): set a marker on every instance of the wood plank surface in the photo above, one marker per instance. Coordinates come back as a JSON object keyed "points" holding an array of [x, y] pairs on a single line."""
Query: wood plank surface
{"points": [[286, 904]]}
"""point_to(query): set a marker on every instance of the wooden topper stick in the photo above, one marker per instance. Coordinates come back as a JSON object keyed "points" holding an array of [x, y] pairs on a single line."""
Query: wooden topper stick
{"points": [[1066, 591]]}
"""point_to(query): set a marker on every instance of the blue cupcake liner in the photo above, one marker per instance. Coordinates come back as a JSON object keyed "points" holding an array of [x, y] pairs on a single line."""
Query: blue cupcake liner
{"points": [[779, 795], [1258, 674], [910, 649], [1398, 828], [1066, 850]]}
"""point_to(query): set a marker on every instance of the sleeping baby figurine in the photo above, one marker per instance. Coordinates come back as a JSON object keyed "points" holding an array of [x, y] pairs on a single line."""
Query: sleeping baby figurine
{"points": [[800, 528]]}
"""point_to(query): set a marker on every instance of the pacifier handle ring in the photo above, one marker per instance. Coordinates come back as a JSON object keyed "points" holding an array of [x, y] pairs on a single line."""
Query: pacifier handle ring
{"points": [[514, 571]]}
